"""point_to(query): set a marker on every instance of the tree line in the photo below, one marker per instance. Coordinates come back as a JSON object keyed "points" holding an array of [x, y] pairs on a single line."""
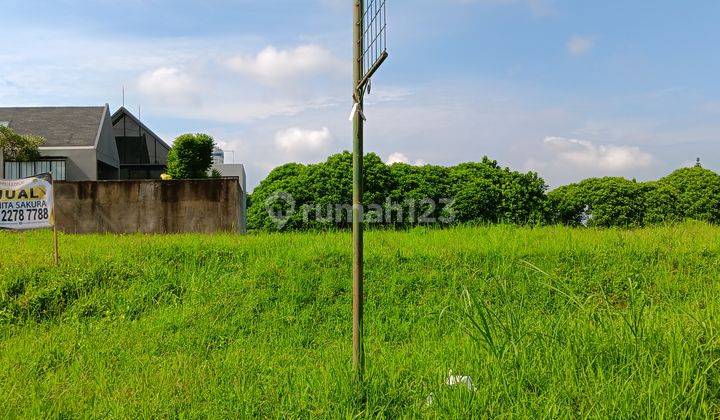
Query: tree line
{"points": [[687, 193], [317, 196]]}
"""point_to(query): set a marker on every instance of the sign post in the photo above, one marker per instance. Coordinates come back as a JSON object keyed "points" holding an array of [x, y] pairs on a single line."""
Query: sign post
{"points": [[52, 220], [369, 52], [29, 204]]}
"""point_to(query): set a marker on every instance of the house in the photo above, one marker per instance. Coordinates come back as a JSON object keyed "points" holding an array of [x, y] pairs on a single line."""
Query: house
{"points": [[79, 142], [90, 144], [86, 144], [143, 154]]}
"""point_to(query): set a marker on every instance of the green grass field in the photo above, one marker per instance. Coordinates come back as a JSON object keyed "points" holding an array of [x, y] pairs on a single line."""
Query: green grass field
{"points": [[548, 322]]}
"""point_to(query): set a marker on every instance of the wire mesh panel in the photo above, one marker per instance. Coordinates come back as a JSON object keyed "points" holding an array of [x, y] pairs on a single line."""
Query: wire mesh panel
{"points": [[374, 35]]}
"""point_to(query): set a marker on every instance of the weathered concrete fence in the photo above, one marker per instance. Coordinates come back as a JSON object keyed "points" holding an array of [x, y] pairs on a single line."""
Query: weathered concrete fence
{"points": [[149, 206]]}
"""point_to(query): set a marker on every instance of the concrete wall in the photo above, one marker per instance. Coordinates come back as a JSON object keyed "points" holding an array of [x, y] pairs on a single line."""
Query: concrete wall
{"points": [[207, 206]]}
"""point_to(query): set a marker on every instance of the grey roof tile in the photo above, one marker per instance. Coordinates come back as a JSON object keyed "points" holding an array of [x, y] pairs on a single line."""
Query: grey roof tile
{"points": [[60, 126]]}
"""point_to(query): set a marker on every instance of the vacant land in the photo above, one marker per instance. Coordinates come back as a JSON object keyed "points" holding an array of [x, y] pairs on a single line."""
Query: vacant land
{"points": [[549, 322]]}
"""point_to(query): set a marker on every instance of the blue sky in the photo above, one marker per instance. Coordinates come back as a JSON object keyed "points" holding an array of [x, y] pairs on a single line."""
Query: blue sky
{"points": [[566, 88]]}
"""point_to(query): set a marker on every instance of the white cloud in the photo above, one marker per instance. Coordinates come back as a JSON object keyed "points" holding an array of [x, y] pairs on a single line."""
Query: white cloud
{"points": [[298, 143], [587, 155], [399, 157], [579, 45], [210, 90], [168, 85], [275, 67]]}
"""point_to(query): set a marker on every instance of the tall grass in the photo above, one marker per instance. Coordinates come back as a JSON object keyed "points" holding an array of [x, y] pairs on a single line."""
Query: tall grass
{"points": [[548, 322]]}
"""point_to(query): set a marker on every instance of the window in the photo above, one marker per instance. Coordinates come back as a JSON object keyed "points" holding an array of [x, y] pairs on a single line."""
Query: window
{"points": [[18, 170], [132, 150]]}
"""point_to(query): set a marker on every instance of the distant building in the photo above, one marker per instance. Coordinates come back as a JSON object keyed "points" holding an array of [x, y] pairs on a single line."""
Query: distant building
{"points": [[218, 156], [236, 170], [86, 144]]}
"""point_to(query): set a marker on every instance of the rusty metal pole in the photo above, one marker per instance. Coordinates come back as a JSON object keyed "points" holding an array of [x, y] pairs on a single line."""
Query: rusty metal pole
{"points": [[358, 297]]}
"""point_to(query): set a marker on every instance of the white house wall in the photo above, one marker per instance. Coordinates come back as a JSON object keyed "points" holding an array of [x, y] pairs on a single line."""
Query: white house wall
{"points": [[81, 164], [107, 148]]}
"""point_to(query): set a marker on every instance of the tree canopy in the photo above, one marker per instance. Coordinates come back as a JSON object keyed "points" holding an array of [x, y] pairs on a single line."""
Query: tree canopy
{"points": [[697, 191], [318, 196], [18, 147], [398, 195], [688, 193], [190, 156]]}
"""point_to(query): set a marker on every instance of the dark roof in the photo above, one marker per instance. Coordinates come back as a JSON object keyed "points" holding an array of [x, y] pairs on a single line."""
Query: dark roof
{"points": [[59, 126], [124, 112]]}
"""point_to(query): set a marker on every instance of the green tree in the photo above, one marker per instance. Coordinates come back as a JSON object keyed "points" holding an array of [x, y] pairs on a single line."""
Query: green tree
{"points": [[417, 193], [17, 147], [327, 188], [480, 192], [613, 201], [698, 192], [190, 156], [378, 180], [486, 169], [477, 201], [523, 198], [600, 202], [520, 197], [661, 203], [476, 189], [270, 199], [566, 205]]}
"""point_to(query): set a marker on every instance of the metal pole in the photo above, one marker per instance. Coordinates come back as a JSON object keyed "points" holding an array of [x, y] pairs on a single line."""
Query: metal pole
{"points": [[55, 240], [358, 298], [54, 222]]}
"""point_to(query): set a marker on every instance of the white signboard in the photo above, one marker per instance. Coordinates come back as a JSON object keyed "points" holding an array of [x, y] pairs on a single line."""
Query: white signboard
{"points": [[27, 203]]}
